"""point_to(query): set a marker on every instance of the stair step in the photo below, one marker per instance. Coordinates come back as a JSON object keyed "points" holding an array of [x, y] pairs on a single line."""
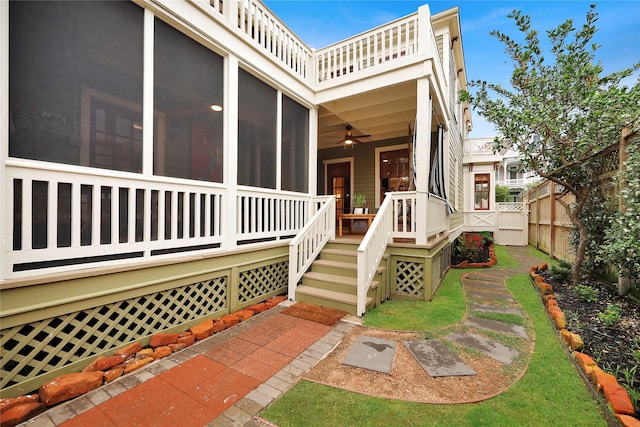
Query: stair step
{"points": [[331, 282], [340, 255], [347, 269], [324, 294], [350, 245]]}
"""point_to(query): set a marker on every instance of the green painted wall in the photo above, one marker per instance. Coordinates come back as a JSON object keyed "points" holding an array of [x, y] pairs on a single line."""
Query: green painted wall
{"points": [[364, 166]]}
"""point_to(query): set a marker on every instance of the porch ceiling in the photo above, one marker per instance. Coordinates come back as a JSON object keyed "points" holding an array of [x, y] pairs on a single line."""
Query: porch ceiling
{"points": [[383, 113]]}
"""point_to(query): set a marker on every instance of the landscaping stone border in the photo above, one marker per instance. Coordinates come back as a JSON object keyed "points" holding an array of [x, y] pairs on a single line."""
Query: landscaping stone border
{"points": [[603, 384], [105, 369]]}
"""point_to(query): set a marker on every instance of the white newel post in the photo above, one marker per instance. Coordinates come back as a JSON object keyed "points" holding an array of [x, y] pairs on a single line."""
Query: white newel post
{"points": [[230, 175], [422, 149], [230, 11], [424, 28]]}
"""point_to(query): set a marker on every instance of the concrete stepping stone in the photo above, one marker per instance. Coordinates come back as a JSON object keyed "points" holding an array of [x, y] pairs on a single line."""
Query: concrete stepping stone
{"points": [[485, 278], [485, 285], [371, 353], [490, 308], [437, 359], [496, 326], [491, 348], [502, 296]]}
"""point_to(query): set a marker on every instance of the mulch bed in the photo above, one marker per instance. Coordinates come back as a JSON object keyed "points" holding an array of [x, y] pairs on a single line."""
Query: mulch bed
{"points": [[615, 348], [315, 313]]}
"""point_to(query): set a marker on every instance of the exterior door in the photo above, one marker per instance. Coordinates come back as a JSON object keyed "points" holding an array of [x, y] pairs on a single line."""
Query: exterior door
{"points": [[339, 184]]}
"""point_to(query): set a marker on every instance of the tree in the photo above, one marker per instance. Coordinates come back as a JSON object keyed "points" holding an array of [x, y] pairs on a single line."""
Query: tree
{"points": [[622, 239], [574, 110], [502, 193]]}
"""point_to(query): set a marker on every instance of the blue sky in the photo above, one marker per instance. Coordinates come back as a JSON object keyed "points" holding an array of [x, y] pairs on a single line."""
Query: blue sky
{"points": [[321, 23]]}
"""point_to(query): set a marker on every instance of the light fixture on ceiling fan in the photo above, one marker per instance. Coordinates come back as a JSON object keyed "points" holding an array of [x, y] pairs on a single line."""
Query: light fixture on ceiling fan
{"points": [[349, 138]]}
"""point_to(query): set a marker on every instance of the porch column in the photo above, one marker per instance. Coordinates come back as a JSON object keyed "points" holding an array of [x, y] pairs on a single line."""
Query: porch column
{"points": [[229, 225], [312, 189], [6, 213], [279, 141], [422, 150]]}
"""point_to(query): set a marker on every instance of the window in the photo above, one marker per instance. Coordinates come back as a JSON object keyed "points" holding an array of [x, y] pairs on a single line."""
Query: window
{"points": [[188, 90], [257, 122], [394, 171], [295, 146], [481, 191], [59, 51]]}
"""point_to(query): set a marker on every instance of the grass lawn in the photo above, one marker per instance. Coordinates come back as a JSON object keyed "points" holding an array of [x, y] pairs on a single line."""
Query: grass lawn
{"points": [[549, 394]]}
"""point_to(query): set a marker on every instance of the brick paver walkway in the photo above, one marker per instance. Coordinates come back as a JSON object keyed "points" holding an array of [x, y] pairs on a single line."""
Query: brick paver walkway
{"points": [[224, 380]]}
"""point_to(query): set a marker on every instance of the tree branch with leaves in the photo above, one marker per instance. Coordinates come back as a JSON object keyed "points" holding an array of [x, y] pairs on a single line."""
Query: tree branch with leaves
{"points": [[574, 110]]}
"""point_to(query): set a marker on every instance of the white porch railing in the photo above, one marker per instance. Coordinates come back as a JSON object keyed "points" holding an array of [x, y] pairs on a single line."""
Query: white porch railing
{"points": [[437, 221], [373, 247], [386, 43], [306, 246], [65, 217], [264, 213], [404, 220]]}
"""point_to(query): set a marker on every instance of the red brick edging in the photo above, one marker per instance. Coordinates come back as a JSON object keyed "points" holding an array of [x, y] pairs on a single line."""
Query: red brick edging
{"points": [[606, 384], [105, 369]]}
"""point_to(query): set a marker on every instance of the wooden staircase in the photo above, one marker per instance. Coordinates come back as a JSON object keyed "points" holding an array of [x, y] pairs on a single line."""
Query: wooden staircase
{"points": [[331, 281]]}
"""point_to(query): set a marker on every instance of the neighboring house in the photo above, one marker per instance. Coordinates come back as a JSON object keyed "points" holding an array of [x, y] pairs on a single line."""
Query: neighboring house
{"points": [[167, 161], [512, 173], [483, 170]]}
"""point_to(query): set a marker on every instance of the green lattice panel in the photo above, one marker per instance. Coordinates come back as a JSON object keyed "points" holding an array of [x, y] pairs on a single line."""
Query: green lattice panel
{"points": [[410, 279], [36, 348], [262, 280]]}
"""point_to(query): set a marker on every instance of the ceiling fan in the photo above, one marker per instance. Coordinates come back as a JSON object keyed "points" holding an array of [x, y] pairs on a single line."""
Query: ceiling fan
{"points": [[349, 138]]}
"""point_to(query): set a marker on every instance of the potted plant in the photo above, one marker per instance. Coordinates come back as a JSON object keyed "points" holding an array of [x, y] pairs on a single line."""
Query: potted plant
{"points": [[359, 204]]}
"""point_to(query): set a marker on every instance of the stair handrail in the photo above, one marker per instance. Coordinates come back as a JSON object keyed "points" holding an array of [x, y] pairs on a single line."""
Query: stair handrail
{"points": [[307, 244], [372, 249]]}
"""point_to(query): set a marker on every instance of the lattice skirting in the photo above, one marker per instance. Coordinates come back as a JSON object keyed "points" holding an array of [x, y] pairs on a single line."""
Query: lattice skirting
{"points": [[51, 344], [409, 278]]}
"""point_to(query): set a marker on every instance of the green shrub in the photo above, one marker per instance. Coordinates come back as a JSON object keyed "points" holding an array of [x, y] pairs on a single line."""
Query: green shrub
{"points": [[586, 293], [562, 271], [610, 315]]}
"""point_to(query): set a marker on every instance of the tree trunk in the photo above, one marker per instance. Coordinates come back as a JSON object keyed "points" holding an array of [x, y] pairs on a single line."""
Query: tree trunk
{"points": [[581, 250]]}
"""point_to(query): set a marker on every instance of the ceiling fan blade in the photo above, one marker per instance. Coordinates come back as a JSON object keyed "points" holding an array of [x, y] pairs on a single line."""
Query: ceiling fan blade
{"points": [[361, 136]]}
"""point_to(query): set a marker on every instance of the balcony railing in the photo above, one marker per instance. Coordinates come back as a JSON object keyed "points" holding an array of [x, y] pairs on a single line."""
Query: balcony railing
{"points": [[478, 148], [361, 55], [255, 22], [389, 42], [63, 218]]}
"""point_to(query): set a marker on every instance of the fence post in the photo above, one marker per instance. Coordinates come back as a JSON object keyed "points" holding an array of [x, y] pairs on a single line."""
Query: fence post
{"points": [[552, 218], [538, 217]]}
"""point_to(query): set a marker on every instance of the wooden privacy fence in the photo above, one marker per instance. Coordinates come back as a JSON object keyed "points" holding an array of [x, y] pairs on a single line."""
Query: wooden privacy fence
{"points": [[549, 224]]}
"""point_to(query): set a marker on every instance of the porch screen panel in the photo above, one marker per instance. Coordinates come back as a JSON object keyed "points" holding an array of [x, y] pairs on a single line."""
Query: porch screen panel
{"points": [[295, 146], [438, 181], [257, 123], [75, 83], [188, 105]]}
